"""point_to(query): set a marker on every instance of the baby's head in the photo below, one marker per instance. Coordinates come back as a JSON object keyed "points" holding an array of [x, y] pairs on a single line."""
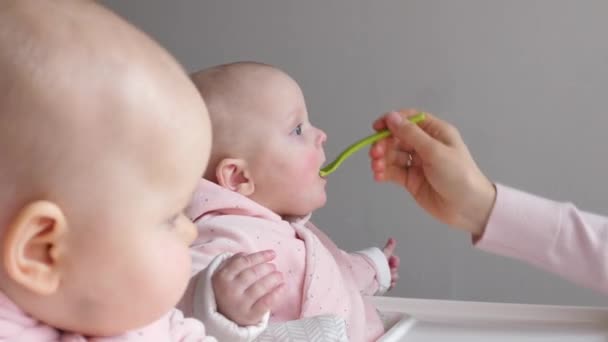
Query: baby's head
{"points": [[264, 146], [97, 128]]}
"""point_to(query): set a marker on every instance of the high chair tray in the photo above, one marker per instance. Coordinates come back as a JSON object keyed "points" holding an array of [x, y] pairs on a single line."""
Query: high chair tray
{"points": [[425, 320]]}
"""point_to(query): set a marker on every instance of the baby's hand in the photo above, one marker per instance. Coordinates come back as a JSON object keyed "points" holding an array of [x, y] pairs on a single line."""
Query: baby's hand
{"points": [[247, 286], [393, 260]]}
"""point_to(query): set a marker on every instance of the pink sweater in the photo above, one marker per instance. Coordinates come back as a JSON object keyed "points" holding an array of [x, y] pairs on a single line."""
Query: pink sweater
{"points": [[17, 326], [319, 277], [554, 236]]}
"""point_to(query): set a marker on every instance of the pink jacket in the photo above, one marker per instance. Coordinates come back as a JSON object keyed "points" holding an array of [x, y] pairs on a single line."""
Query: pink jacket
{"points": [[554, 236], [319, 277], [17, 326]]}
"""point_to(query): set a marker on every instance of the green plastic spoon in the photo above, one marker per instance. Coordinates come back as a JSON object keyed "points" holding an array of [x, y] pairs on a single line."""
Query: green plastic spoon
{"points": [[333, 166]]}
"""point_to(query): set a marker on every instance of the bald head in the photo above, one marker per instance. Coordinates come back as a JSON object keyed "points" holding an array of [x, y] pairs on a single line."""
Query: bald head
{"points": [[235, 89], [237, 96], [98, 125], [72, 97]]}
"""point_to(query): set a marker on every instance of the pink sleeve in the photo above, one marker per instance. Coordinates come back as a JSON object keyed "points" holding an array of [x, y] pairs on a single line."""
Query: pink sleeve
{"points": [[368, 268], [363, 272], [554, 236]]}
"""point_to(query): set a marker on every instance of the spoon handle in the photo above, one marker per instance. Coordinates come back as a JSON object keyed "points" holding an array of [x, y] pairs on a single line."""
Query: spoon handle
{"points": [[331, 167]]}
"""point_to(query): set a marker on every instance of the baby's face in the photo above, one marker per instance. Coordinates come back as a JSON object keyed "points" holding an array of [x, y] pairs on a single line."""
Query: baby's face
{"points": [[104, 138], [130, 262], [286, 166]]}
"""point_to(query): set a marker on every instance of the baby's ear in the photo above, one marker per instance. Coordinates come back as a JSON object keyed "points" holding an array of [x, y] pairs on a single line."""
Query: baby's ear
{"points": [[31, 247], [233, 174]]}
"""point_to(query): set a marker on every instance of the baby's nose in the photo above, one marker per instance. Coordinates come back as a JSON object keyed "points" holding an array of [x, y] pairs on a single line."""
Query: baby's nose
{"points": [[321, 137]]}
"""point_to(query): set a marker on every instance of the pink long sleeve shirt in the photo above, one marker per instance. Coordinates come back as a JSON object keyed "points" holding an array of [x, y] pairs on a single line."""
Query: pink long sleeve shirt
{"points": [[554, 236], [319, 277]]}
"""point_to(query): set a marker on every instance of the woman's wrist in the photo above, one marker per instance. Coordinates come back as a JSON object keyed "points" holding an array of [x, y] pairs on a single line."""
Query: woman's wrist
{"points": [[478, 212]]}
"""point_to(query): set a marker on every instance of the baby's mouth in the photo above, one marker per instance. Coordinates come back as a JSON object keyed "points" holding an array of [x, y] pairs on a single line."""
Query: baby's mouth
{"points": [[321, 167]]}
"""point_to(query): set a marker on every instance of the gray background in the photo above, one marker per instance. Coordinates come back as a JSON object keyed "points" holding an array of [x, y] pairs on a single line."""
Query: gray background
{"points": [[525, 81]]}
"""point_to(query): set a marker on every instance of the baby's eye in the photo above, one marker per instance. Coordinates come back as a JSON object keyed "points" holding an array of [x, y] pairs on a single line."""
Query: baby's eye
{"points": [[297, 130]]}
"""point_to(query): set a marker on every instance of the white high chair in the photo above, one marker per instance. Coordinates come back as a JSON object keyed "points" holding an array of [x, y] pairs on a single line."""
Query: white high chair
{"points": [[427, 320]]}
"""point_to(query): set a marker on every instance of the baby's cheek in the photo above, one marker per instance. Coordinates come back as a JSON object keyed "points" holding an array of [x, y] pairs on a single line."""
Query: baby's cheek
{"points": [[310, 166], [173, 267]]}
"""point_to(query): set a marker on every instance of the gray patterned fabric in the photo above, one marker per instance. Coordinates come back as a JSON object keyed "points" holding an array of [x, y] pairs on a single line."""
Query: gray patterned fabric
{"points": [[320, 328]]}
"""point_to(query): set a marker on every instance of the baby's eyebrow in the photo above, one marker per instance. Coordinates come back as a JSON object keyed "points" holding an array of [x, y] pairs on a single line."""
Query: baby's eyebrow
{"points": [[294, 115]]}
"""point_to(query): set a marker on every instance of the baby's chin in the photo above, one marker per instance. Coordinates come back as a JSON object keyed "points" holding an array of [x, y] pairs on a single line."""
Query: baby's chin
{"points": [[119, 324], [318, 203], [322, 201], [303, 210]]}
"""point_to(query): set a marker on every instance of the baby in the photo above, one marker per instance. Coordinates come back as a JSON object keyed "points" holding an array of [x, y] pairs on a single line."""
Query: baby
{"points": [[259, 191], [97, 125]]}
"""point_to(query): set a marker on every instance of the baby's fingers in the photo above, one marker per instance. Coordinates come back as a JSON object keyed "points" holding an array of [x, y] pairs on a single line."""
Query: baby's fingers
{"points": [[393, 262], [394, 277], [393, 283], [249, 277], [241, 262], [268, 300], [263, 286], [389, 248]]}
